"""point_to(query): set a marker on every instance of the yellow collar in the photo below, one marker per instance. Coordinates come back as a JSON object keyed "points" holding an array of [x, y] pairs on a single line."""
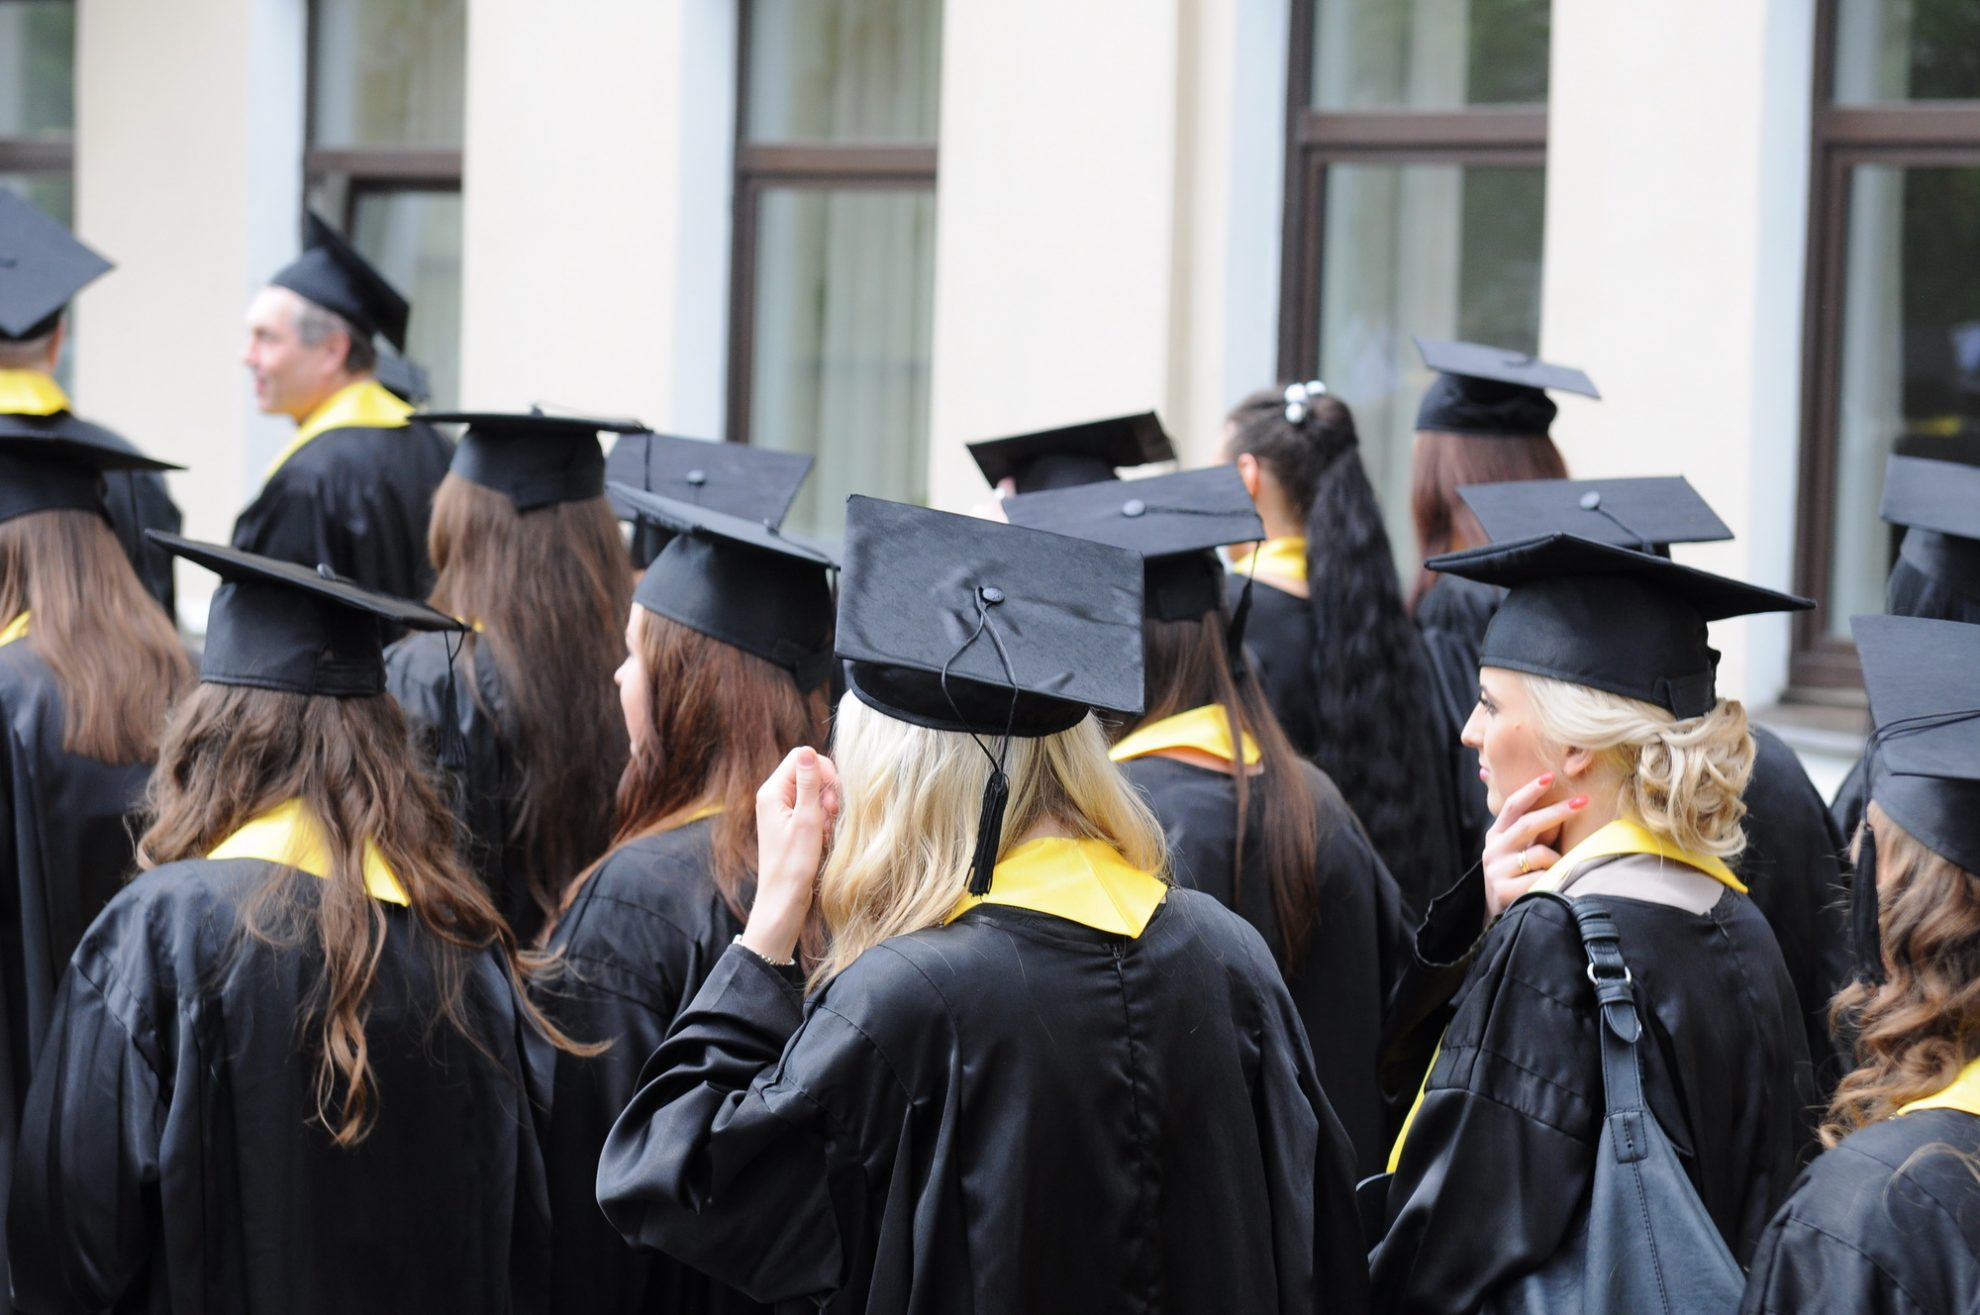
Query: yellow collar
{"points": [[14, 629], [30, 393], [1623, 836], [688, 819], [287, 835], [1285, 558], [1083, 881], [1206, 729], [1962, 1095], [365, 403]]}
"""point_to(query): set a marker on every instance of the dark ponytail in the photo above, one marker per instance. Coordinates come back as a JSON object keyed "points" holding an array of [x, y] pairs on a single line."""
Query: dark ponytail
{"points": [[1373, 686]]}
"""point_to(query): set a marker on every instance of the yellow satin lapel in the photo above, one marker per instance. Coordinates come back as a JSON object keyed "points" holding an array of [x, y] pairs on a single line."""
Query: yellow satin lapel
{"points": [[1285, 558], [30, 393], [14, 629], [1206, 729], [365, 404], [1083, 881], [1963, 1095], [706, 810], [287, 835], [1623, 836]]}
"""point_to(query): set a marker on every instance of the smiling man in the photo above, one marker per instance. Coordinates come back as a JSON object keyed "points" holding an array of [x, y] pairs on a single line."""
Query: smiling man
{"points": [[353, 488]]}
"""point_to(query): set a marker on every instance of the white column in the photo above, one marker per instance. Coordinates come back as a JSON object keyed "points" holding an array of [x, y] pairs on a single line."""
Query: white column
{"points": [[188, 175], [1676, 233], [597, 180]]}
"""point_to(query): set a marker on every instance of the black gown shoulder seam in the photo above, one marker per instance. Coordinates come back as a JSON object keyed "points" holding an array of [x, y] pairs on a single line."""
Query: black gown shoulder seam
{"points": [[892, 1070], [1580, 1097], [1809, 1225], [594, 985], [114, 989], [1895, 1172]]}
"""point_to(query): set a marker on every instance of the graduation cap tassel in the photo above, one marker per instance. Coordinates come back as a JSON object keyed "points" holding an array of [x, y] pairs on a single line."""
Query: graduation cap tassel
{"points": [[1865, 939], [996, 790], [989, 831], [453, 744], [1234, 637]]}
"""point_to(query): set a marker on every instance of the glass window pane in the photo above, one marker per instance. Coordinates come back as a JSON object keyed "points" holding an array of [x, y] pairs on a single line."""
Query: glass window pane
{"points": [[1429, 54], [37, 68], [1910, 354], [1888, 50], [1440, 250], [844, 70], [844, 306], [388, 72], [54, 193], [415, 240]]}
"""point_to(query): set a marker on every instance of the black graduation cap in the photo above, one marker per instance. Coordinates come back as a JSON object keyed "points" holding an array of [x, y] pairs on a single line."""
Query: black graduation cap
{"points": [[42, 268], [1937, 499], [1173, 522], [1070, 455], [742, 582], [1923, 760], [1489, 391], [536, 460], [961, 624], [405, 379], [331, 273], [1611, 618], [277, 625], [1648, 513], [755, 483], [43, 468]]}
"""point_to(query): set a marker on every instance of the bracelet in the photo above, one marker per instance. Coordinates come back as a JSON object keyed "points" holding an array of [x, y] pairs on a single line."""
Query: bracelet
{"points": [[737, 941]]}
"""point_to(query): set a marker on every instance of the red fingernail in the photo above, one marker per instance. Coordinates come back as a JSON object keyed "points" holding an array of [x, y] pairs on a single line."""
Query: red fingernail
{"points": [[1547, 779], [1579, 801]]}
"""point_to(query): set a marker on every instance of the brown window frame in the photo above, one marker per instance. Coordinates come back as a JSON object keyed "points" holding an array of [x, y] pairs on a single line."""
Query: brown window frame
{"points": [[1822, 667], [1316, 140], [814, 165]]}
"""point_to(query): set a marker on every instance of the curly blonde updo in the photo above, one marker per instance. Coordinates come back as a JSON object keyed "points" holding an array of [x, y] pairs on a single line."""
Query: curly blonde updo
{"points": [[1682, 779]]}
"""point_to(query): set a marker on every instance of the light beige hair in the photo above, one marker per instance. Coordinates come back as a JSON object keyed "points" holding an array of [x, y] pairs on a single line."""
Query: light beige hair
{"points": [[910, 799], [1682, 779]]}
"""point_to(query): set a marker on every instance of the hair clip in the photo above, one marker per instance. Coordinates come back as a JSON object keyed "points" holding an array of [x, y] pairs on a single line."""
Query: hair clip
{"points": [[1298, 395]]}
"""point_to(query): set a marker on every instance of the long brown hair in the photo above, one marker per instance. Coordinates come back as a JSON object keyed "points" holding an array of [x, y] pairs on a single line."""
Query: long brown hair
{"points": [[231, 753], [1921, 1025], [1442, 462], [1187, 667], [114, 653], [549, 589], [719, 721]]}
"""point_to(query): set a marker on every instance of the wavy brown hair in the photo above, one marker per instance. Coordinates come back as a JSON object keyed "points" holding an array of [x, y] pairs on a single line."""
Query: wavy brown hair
{"points": [[549, 588], [1442, 462], [1921, 1025], [1186, 667], [115, 655], [719, 721], [231, 753]]}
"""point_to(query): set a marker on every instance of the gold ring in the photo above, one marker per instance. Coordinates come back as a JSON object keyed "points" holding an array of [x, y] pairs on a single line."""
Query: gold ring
{"points": [[1524, 867]]}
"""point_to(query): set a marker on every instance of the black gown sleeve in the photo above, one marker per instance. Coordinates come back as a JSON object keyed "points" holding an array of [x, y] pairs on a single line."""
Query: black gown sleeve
{"points": [[721, 1159], [289, 521], [85, 1195]]}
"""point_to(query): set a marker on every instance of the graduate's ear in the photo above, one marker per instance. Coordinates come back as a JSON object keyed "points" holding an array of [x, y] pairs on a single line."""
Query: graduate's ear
{"points": [[1247, 468], [1576, 764]]}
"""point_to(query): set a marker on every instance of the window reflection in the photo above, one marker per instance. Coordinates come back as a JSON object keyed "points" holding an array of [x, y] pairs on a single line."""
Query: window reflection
{"points": [[1429, 54]]}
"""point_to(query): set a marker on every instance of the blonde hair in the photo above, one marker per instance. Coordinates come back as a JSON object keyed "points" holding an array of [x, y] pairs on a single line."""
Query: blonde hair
{"points": [[1682, 779], [910, 799]]}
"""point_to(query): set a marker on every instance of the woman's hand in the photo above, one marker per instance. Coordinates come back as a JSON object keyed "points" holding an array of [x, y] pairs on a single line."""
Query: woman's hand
{"points": [[795, 812], [1520, 845]]}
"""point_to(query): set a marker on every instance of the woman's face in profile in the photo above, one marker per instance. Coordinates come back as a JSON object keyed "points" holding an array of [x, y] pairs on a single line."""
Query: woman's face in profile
{"points": [[634, 688], [1510, 750]]}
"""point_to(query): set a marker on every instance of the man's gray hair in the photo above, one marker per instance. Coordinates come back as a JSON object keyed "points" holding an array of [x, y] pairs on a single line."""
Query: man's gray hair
{"points": [[314, 323], [25, 353]]}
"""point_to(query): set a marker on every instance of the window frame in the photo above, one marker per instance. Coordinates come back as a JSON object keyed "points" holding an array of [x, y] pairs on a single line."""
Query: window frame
{"points": [[47, 155], [1316, 140], [1942, 133], [759, 166]]}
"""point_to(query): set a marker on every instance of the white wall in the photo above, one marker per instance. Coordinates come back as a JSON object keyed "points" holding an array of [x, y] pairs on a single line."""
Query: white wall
{"points": [[597, 180], [188, 175], [1676, 230]]}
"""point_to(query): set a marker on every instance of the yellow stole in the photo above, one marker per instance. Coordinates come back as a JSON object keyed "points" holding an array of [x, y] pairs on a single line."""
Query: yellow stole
{"points": [[288, 835], [1083, 881], [364, 404], [1621, 836], [1206, 729], [14, 629], [30, 393], [1285, 558], [1962, 1095]]}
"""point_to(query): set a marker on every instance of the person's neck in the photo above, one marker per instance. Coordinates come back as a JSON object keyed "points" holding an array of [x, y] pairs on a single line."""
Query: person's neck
{"points": [[1602, 809], [302, 416], [1279, 523]]}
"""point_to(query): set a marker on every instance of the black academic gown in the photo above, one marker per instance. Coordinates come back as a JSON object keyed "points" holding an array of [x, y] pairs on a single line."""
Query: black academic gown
{"points": [[66, 844], [1846, 810], [640, 938], [1452, 618], [1887, 1223], [484, 777], [1500, 1152], [171, 1159], [1792, 867], [357, 500], [1012, 1112], [1355, 949]]}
